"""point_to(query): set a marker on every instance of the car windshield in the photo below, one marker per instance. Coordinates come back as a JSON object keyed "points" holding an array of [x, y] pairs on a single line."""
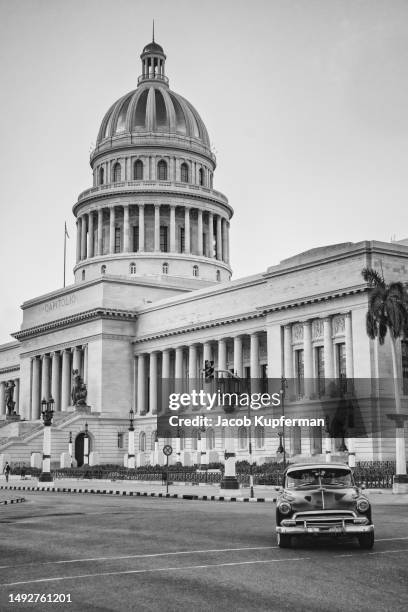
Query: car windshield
{"points": [[312, 477]]}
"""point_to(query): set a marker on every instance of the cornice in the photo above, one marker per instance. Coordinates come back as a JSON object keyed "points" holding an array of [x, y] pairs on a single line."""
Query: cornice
{"points": [[320, 297], [15, 368], [77, 319]]}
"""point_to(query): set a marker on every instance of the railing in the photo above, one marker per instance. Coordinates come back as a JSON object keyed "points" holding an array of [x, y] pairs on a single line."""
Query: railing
{"points": [[375, 474], [152, 77]]}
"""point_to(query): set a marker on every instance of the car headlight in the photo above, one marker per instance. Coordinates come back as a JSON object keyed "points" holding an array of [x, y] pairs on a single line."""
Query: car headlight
{"points": [[363, 505], [284, 507]]}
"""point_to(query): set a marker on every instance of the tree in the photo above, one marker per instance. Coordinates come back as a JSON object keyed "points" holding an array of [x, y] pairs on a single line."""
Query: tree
{"points": [[388, 312]]}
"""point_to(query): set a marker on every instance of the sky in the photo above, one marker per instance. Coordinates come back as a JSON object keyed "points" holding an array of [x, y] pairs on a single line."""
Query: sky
{"points": [[305, 102]]}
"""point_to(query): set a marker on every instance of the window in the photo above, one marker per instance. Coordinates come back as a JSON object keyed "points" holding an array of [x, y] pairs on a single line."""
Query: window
{"points": [[103, 269], [341, 365], [320, 369], [117, 173], [201, 176], [184, 173], [142, 442], [404, 356], [101, 176], [165, 268], [210, 439], [218, 275], [194, 438], [117, 239], [138, 170], [164, 239], [259, 436], [83, 274], [162, 170], [296, 440], [120, 440], [154, 439], [132, 268], [242, 438], [300, 373], [195, 271], [316, 437], [182, 437], [135, 238], [182, 240]]}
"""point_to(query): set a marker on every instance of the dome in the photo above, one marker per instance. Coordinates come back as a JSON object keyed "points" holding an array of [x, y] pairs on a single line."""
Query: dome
{"points": [[153, 47], [152, 108]]}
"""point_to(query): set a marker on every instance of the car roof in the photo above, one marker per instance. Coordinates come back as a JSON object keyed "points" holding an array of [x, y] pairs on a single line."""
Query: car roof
{"points": [[320, 466]]}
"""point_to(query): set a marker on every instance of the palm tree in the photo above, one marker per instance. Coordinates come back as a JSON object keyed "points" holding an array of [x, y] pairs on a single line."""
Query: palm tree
{"points": [[388, 312]]}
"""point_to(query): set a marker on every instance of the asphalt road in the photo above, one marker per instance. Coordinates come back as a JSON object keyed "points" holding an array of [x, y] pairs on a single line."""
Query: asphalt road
{"points": [[153, 554]]}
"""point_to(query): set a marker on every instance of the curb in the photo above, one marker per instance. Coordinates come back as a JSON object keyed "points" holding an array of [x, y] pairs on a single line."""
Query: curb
{"points": [[187, 496], [17, 500]]}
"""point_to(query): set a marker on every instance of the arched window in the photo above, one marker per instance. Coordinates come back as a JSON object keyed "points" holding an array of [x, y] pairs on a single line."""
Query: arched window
{"points": [[103, 269], [153, 439], [194, 437], [259, 436], [117, 173], [101, 176], [182, 439], [242, 438], [201, 176], [218, 275], [162, 170], [132, 268], [138, 170], [165, 268], [210, 439], [83, 274], [184, 173], [142, 442], [195, 271]]}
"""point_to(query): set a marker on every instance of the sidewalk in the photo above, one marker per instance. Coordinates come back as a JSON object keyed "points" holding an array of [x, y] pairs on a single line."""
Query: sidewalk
{"points": [[178, 491]]}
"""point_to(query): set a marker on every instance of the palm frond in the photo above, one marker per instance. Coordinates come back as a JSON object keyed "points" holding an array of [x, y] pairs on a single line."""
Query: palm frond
{"points": [[373, 277]]}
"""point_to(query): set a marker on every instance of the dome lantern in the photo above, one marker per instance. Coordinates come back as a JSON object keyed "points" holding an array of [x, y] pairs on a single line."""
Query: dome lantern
{"points": [[153, 63]]}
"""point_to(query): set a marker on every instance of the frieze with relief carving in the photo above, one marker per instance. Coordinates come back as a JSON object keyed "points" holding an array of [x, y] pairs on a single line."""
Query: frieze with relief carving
{"points": [[317, 329], [339, 325], [297, 332]]}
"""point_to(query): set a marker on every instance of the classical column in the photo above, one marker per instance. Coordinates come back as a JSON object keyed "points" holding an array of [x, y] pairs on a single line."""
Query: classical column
{"points": [[349, 346], [166, 363], [172, 228], [192, 362], [17, 395], [187, 246], [66, 379], [222, 356], [157, 228], [228, 242], [224, 240], [200, 231], [78, 241], [141, 228], [126, 228], [76, 359], [165, 382], [219, 238], [287, 351], [91, 235], [238, 356], [328, 348], [83, 237], [36, 389], [153, 383], [3, 397], [179, 363], [112, 229], [55, 381], [85, 363], [210, 235], [207, 353], [100, 232], [254, 355], [45, 377], [308, 357], [141, 384]]}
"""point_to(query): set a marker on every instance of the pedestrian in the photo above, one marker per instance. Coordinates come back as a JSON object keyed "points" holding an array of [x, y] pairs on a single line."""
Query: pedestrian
{"points": [[7, 470]]}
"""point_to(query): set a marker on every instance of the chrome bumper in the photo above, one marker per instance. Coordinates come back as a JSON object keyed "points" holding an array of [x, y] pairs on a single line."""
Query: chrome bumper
{"points": [[339, 530]]}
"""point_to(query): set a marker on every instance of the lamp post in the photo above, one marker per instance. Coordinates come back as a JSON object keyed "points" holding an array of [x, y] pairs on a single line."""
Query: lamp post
{"points": [[70, 447], [284, 385], [251, 469], [131, 440], [47, 412], [86, 445]]}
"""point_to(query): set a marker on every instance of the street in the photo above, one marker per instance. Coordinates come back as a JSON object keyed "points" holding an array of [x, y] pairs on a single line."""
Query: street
{"points": [[126, 553]]}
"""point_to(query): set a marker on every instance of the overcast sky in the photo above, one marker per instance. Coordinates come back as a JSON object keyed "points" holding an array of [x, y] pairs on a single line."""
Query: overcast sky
{"points": [[305, 102]]}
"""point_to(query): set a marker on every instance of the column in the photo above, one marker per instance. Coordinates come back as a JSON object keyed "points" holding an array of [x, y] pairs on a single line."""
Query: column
{"points": [[141, 228], [200, 232], [349, 346], [157, 228], [165, 387], [126, 228], [36, 389], [83, 237], [308, 358], [192, 362], [187, 246], [78, 241], [288, 352], [254, 355], [171, 169], [45, 377], [228, 242], [17, 395], [219, 238], [76, 359], [238, 356], [85, 362], [222, 356], [55, 381], [3, 397], [66, 379], [91, 235], [328, 348], [224, 241], [172, 228], [274, 349], [210, 235], [112, 229], [153, 383], [207, 353], [141, 382], [178, 374], [100, 232]]}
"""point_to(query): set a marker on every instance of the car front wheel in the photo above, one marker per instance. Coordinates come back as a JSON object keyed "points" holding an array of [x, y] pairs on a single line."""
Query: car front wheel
{"points": [[366, 540], [283, 540]]}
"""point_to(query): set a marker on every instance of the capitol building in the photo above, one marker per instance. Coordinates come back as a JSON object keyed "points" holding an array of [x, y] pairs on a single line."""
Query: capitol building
{"points": [[153, 299]]}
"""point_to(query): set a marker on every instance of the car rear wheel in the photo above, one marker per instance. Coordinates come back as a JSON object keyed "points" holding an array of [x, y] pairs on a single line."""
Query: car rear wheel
{"points": [[284, 540], [366, 540]]}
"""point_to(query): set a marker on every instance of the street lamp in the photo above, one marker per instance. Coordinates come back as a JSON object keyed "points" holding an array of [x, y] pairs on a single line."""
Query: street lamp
{"points": [[47, 412], [70, 447], [86, 445], [131, 440], [281, 449]]}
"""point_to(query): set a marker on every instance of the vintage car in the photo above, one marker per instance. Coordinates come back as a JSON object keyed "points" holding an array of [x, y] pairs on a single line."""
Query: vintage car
{"points": [[322, 500]]}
